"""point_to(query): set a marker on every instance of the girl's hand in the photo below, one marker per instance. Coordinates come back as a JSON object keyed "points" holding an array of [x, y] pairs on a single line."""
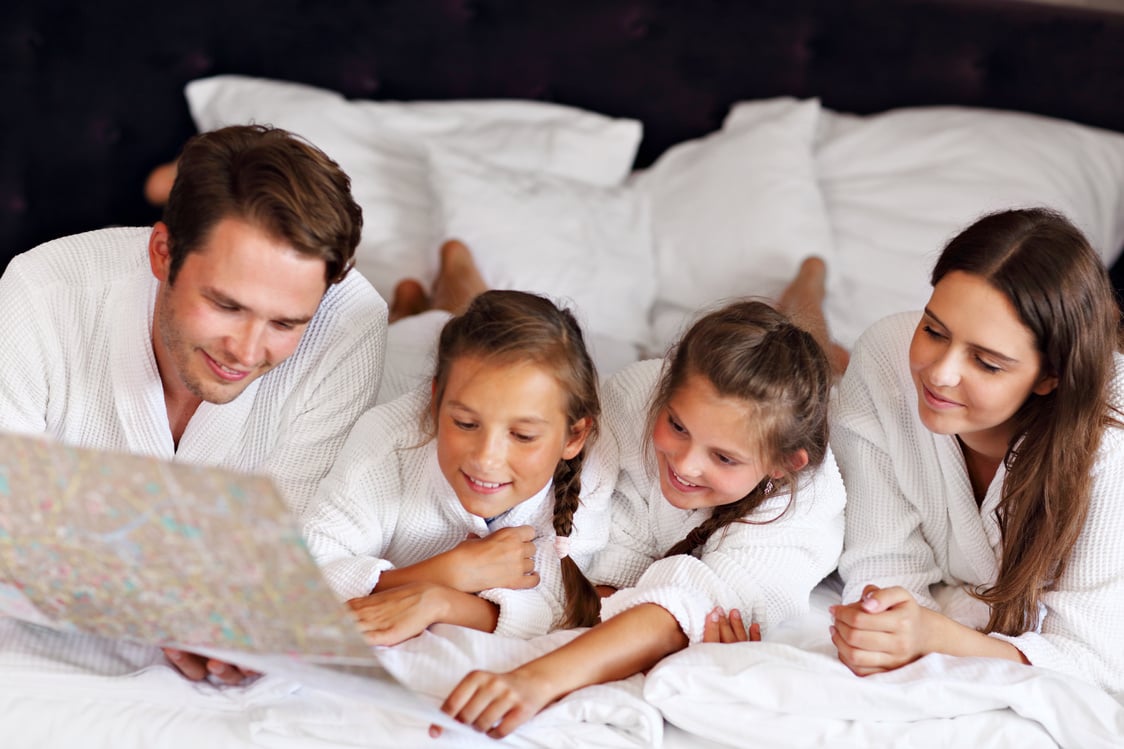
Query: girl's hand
{"points": [[722, 628], [497, 704], [504, 559], [883, 630], [392, 616]]}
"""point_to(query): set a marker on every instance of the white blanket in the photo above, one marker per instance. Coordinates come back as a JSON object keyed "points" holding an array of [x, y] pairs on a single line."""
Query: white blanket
{"points": [[793, 691]]}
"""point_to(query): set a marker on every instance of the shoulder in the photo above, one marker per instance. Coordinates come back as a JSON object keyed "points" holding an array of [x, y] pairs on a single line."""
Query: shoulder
{"points": [[351, 310], [879, 366], [629, 391], [91, 259]]}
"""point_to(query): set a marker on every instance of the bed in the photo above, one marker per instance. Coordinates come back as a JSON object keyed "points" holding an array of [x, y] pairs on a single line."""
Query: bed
{"points": [[657, 156]]}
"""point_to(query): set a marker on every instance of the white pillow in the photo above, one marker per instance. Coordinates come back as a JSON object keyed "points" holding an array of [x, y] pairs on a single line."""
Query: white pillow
{"points": [[382, 147], [576, 242], [900, 184], [735, 212]]}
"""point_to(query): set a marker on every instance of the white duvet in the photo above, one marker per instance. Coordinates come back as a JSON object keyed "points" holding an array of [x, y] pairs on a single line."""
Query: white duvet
{"points": [[61, 691]]}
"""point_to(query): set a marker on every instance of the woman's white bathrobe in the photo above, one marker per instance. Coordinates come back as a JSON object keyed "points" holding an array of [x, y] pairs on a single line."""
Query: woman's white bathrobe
{"points": [[76, 364], [765, 569], [912, 519], [386, 504]]}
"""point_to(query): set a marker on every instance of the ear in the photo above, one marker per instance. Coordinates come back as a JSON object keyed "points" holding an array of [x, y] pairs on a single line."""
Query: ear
{"points": [[1046, 384], [579, 433], [796, 461], [159, 252]]}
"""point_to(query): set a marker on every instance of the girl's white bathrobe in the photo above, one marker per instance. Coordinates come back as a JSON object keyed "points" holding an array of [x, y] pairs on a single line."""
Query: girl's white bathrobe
{"points": [[912, 519], [386, 504], [765, 569]]}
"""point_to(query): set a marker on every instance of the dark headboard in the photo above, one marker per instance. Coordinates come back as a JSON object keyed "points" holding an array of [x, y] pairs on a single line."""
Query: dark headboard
{"points": [[92, 92]]}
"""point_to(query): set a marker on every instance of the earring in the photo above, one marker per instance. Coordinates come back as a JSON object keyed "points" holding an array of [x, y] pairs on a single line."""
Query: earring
{"points": [[768, 487]]}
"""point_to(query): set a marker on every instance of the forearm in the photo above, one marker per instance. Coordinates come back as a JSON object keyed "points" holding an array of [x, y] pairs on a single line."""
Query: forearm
{"points": [[432, 570], [627, 644], [468, 610], [952, 638]]}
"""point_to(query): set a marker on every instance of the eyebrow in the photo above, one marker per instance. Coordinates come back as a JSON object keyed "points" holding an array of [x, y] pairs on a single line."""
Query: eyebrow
{"points": [[991, 352], [222, 298], [521, 420], [734, 454]]}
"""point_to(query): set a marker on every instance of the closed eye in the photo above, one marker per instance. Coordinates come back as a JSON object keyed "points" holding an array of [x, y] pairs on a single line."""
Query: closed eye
{"points": [[519, 437], [465, 425], [985, 366], [936, 335], [675, 425], [725, 459]]}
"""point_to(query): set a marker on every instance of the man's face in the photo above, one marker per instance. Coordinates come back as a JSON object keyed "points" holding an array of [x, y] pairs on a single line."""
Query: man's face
{"points": [[237, 308]]}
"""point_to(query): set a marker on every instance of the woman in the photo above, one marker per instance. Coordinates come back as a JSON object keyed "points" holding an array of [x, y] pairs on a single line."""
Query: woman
{"points": [[991, 464]]}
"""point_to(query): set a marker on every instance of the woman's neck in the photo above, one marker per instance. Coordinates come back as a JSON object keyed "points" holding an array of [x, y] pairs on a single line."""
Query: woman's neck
{"points": [[983, 453]]}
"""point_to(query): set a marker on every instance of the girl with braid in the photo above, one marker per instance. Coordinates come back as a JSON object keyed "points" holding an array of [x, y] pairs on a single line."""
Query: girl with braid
{"points": [[474, 499], [728, 498]]}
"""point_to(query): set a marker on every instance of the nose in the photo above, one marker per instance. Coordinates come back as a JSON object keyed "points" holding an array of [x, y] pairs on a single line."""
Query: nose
{"points": [[944, 371], [689, 462], [489, 451], [247, 344]]}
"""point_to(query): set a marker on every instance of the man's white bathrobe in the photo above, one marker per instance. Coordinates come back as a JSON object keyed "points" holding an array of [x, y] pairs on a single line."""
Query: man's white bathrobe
{"points": [[76, 363], [912, 519]]}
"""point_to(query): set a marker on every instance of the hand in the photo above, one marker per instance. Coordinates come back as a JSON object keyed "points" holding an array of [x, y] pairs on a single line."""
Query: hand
{"points": [[197, 667], [496, 704], [883, 630], [505, 559], [392, 616], [722, 628]]}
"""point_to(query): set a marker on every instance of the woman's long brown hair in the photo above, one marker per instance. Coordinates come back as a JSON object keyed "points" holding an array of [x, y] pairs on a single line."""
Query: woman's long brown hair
{"points": [[1062, 293]]}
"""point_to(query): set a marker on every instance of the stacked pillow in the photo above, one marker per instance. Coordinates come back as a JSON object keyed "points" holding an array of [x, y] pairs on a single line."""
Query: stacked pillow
{"points": [[543, 195]]}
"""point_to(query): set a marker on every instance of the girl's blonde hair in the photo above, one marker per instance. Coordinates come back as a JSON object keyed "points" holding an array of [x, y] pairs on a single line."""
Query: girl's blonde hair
{"points": [[507, 327], [749, 351]]}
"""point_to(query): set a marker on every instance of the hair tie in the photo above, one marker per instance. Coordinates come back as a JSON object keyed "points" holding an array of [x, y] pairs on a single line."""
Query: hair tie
{"points": [[562, 546]]}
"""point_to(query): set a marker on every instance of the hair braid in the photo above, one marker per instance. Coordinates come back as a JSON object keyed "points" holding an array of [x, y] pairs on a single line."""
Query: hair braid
{"points": [[583, 605]]}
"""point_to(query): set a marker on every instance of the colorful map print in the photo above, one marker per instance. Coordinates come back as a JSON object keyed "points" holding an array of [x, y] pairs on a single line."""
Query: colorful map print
{"points": [[136, 548]]}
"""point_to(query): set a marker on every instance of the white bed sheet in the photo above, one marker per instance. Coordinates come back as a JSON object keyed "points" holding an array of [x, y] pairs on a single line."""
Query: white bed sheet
{"points": [[62, 690]]}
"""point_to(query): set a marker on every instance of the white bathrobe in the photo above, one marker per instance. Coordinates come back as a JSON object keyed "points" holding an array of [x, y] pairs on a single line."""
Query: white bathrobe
{"points": [[386, 504], [912, 519], [76, 363], [765, 569]]}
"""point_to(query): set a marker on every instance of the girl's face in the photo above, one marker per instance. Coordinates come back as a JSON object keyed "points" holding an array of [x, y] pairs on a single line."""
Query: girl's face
{"points": [[703, 447], [974, 363], [501, 431]]}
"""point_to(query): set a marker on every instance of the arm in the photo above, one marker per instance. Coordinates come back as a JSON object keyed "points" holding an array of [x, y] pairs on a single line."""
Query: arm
{"points": [[628, 644], [398, 614], [343, 359], [25, 361], [884, 543]]}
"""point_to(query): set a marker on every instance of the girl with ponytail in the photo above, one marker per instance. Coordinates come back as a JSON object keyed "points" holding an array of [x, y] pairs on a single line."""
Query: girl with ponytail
{"points": [[473, 500], [984, 462], [728, 499]]}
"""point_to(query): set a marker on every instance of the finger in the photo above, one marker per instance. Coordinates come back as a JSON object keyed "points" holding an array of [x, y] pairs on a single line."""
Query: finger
{"points": [[711, 630], [529, 550], [528, 565], [877, 601], [524, 533], [493, 714], [738, 626], [514, 718], [529, 580], [865, 639], [225, 672], [855, 617], [435, 731], [190, 665], [755, 632], [725, 630], [857, 658]]}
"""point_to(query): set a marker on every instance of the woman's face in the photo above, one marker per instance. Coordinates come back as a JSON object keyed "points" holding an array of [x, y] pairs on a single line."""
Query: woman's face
{"points": [[974, 363]]}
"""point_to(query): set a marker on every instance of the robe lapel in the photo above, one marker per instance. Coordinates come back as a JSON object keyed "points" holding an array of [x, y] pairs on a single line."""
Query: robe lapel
{"points": [[969, 536]]}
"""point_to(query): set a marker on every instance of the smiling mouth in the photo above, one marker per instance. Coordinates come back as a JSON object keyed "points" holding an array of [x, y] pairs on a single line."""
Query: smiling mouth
{"points": [[680, 482], [484, 487], [223, 371]]}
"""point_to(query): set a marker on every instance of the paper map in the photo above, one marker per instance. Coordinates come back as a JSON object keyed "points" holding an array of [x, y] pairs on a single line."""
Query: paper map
{"points": [[134, 547]]}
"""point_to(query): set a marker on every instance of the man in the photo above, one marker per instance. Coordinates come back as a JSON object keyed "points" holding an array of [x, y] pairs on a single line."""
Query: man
{"points": [[238, 339]]}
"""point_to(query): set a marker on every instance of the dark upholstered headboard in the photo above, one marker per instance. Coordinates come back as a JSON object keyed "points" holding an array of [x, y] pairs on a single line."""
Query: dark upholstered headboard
{"points": [[92, 92]]}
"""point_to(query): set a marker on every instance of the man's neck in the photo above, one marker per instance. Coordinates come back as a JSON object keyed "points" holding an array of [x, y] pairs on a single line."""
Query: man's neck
{"points": [[180, 411]]}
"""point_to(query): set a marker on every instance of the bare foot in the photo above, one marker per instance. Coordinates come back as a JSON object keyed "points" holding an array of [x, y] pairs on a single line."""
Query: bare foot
{"points": [[802, 300], [158, 186], [458, 279], [409, 299]]}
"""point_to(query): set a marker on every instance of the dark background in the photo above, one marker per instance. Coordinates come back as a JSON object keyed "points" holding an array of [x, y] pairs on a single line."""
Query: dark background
{"points": [[91, 94]]}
